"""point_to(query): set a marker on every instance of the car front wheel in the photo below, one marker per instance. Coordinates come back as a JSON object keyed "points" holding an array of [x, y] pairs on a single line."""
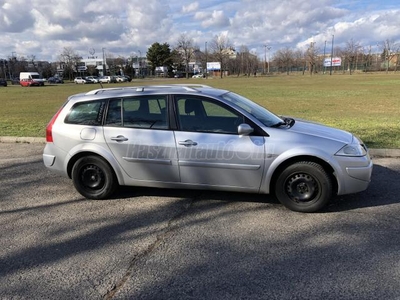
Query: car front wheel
{"points": [[93, 177], [304, 187]]}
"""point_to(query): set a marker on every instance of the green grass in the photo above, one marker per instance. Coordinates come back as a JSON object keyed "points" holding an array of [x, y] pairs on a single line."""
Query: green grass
{"points": [[366, 104]]}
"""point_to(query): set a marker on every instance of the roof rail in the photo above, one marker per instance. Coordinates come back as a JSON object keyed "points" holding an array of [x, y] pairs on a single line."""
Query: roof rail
{"points": [[187, 87]]}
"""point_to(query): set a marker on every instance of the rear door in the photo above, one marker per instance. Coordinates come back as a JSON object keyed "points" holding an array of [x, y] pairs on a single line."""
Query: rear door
{"points": [[137, 132], [210, 151]]}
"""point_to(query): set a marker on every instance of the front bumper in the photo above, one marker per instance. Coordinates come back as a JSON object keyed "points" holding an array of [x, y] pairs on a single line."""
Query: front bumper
{"points": [[356, 174]]}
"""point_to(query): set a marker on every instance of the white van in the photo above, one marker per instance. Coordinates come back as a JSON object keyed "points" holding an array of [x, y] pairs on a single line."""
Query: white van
{"points": [[31, 76]]}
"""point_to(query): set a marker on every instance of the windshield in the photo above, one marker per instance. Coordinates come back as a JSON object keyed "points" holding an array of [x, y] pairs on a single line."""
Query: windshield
{"points": [[262, 114]]}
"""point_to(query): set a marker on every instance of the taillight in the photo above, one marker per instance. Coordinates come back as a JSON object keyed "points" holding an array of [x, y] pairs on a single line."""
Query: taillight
{"points": [[49, 127]]}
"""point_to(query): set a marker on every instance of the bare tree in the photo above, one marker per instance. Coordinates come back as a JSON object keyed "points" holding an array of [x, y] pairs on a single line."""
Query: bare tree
{"points": [[16, 65], [368, 59], [397, 55], [177, 61], [242, 60], [221, 48], [351, 53], [285, 58], [312, 57], [300, 60], [32, 63], [389, 52], [253, 64], [186, 48], [70, 60]]}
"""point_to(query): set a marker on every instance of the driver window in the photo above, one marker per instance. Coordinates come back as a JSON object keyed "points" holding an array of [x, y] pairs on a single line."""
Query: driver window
{"points": [[203, 115]]}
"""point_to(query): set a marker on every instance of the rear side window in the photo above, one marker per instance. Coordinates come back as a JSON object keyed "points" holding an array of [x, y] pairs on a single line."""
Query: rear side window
{"points": [[86, 113], [138, 112]]}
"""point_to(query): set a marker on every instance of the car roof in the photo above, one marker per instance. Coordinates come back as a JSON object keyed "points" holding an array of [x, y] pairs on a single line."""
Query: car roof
{"points": [[104, 93]]}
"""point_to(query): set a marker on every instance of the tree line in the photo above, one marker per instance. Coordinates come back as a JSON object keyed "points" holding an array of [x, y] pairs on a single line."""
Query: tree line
{"points": [[384, 56]]}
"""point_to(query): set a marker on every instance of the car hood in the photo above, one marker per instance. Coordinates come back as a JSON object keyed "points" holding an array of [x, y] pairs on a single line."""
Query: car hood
{"points": [[321, 131]]}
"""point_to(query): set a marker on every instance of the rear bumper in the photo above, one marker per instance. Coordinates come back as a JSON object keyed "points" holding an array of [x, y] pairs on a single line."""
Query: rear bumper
{"points": [[54, 158]]}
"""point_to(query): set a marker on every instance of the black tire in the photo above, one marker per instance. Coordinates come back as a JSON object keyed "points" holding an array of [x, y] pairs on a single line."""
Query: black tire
{"points": [[304, 187], [94, 178]]}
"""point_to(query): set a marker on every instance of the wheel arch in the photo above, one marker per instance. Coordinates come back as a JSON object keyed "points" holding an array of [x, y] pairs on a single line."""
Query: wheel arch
{"points": [[284, 164], [81, 154]]}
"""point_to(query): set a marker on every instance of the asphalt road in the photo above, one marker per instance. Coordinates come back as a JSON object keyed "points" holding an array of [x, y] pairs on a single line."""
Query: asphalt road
{"points": [[174, 244]]}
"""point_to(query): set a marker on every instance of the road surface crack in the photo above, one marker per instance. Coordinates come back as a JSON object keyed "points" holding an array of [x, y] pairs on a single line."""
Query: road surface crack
{"points": [[159, 240]]}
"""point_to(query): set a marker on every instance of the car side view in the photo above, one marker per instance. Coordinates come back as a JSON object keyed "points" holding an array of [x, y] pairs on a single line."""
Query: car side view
{"points": [[29, 82], [198, 137]]}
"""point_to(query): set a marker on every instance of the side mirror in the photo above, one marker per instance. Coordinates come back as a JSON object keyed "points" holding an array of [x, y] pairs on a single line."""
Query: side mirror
{"points": [[245, 129]]}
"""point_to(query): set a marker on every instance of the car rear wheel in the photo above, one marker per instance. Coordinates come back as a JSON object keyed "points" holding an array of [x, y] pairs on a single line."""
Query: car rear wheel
{"points": [[94, 178], [304, 186]]}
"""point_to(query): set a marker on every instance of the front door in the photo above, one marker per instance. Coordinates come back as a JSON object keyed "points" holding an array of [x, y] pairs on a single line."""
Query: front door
{"points": [[210, 151]]}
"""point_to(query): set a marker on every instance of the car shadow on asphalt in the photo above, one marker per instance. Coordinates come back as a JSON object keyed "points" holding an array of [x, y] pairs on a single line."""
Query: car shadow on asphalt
{"points": [[383, 190]]}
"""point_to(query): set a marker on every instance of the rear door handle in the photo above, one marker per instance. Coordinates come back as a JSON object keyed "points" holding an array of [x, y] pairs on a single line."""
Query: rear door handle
{"points": [[187, 143], [119, 138]]}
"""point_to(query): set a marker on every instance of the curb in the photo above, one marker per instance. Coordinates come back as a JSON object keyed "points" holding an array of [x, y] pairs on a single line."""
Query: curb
{"points": [[22, 140], [394, 153]]}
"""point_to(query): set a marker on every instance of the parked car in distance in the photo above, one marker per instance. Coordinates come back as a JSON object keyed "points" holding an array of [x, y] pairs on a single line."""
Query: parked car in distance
{"points": [[3, 82], [198, 137], [198, 76], [55, 80], [94, 79], [26, 82], [120, 78], [107, 79], [81, 80]]}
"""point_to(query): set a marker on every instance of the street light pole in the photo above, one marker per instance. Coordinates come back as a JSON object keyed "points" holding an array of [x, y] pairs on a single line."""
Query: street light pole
{"points": [[104, 63], [265, 58], [206, 60], [376, 56], [140, 63], [268, 48], [324, 57], [333, 37]]}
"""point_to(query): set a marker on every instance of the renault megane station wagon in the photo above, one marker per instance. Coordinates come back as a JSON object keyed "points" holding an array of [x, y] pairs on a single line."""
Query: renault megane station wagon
{"points": [[198, 137]]}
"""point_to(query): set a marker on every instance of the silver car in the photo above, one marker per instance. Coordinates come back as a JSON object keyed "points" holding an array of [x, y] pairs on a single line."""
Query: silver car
{"points": [[198, 137]]}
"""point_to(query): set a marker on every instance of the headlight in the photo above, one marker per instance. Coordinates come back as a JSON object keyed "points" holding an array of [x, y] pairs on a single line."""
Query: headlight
{"points": [[353, 149]]}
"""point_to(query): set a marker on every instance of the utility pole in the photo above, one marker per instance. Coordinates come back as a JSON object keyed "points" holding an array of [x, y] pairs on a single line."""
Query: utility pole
{"points": [[265, 58], [140, 63], [104, 63], [267, 48], [333, 37], [323, 62], [206, 60]]}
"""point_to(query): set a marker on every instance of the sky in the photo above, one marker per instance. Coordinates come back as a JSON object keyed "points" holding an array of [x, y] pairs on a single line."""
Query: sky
{"points": [[43, 28]]}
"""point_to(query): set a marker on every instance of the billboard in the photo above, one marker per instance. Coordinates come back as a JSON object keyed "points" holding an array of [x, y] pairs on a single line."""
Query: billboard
{"points": [[336, 62], [212, 66]]}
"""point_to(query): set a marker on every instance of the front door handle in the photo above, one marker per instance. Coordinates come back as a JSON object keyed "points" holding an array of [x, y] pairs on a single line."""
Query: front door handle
{"points": [[187, 143], [119, 138]]}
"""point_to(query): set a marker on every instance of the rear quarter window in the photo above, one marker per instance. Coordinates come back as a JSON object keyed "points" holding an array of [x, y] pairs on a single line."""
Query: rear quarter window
{"points": [[86, 113]]}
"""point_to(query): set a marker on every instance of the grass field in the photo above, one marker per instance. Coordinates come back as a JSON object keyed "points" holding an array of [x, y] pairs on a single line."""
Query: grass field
{"points": [[366, 104]]}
